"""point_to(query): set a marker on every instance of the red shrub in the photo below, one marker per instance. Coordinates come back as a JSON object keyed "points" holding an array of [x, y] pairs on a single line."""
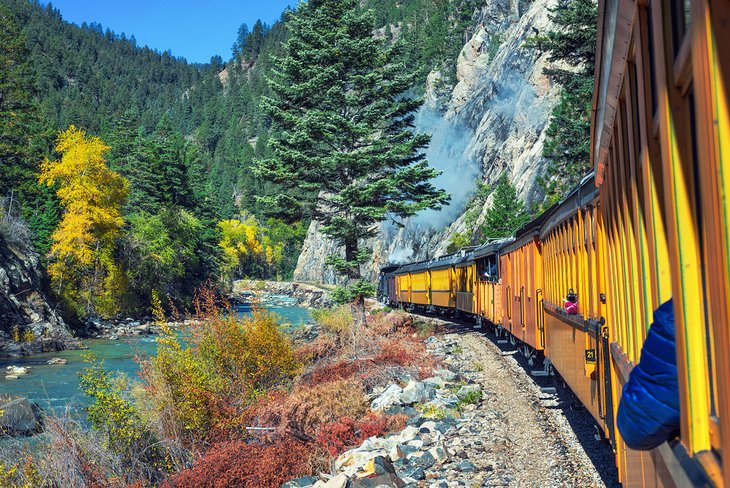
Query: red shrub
{"points": [[340, 370], [337, 437], [395, 354], [322, 347], [244, 465]]}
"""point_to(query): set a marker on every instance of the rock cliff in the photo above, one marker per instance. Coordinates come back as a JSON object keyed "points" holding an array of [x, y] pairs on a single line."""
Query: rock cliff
{"points": [[28, 322], [492, 121]]}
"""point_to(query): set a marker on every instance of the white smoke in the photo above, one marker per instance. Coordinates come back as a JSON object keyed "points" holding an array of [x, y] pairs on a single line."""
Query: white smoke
{"points": [[448, 154], [401, 255]]}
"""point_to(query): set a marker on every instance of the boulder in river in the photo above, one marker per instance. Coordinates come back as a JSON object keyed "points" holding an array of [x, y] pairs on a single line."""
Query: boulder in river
{"points": [[57, 361], [19, 416], [17, 370]]}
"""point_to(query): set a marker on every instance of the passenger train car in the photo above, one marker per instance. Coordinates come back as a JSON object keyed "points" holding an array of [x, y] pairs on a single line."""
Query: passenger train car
{"points": [[652, 222]]}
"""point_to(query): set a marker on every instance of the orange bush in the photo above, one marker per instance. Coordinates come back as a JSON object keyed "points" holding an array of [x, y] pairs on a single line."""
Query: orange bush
{"points": [[310, 407], [249, 465]]}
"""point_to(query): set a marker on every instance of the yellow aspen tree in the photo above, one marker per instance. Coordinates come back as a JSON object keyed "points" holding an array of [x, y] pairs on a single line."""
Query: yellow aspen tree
{"points": [[83, 269], [248, 247]]}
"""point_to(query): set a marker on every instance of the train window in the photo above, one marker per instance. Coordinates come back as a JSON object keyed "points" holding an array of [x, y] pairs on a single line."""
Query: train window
{"points": [[681, 13], [487, 269]]}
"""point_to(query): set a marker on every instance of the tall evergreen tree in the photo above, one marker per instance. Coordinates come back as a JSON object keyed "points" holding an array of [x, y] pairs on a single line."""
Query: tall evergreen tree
{"points": [[345, 130], [567, 146], [507, 214]]}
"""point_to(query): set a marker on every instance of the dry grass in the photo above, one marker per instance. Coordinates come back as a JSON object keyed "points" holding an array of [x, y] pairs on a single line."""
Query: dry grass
{"points": [[309, 408]]}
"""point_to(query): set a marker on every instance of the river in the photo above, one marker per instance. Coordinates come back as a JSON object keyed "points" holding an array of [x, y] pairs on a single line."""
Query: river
{"points": [[57, 386]]}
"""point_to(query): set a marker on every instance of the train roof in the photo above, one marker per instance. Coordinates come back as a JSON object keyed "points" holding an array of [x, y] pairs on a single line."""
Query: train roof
{"points": [[389, 268], [447, 260], [491, 247], [580, 197]]}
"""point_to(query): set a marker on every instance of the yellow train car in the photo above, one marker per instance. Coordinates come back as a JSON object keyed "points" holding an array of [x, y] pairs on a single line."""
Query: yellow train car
{"points": [[420, 286], [465, 279], [574, 343], [488, 281], [403, 286], [443, 282], [523, 285], [660, 146]]}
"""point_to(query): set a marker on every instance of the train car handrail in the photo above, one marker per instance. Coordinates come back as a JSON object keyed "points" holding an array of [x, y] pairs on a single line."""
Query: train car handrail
{"points": [[591, 326]]}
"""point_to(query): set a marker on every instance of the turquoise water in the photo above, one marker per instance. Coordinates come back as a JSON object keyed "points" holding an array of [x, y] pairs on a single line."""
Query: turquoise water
{"points": [[55, 387]]}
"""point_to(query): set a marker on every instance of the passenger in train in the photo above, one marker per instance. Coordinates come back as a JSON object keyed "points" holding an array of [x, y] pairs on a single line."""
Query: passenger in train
{"points": [[571, 303], [648, 413]]}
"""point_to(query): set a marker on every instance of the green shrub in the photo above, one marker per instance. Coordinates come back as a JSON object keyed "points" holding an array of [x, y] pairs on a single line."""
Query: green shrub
{"points": [[471, 398], [431, 411]]}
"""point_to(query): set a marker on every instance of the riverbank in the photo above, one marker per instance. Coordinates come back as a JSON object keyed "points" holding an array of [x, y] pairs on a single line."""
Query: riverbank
{"points": [[54, 387]]}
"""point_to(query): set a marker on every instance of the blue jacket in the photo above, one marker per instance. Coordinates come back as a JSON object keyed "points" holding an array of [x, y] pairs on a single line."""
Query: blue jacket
{"points": [[648, 413]]}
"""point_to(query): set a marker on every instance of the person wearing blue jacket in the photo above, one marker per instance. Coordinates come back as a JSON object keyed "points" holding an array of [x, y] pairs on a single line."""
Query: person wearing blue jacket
{"points": [[648, 413]]}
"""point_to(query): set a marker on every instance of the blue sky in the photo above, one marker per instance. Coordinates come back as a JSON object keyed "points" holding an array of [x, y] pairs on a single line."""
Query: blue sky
{"points": [[193, 29]]}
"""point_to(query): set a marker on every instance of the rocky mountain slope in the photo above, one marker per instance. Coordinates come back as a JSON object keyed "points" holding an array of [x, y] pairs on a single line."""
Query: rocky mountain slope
{"points": [[493, 120], [28, 322]]}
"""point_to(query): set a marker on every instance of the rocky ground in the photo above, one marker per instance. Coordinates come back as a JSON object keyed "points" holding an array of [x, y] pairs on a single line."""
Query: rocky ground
{"points": [[306, 295], [482, 421]]}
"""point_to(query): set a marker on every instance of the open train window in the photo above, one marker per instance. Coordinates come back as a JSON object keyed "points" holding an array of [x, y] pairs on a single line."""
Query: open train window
{"points": [[488, 269]]}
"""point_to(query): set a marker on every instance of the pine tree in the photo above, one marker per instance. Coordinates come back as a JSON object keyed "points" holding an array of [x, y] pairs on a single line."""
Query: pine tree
{"points": [[567, 146], [17, 110], [344, 130], [21, 136], [507, 214]]}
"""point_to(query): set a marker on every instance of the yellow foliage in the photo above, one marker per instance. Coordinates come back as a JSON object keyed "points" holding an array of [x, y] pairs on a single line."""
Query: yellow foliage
{"points": [[20, 475], [28, 335], [207, 380], [245, 244], [83, 269], [337, 320]]}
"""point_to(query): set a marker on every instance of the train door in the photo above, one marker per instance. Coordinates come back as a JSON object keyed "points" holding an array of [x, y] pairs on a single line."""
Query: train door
{"points": [[540, 318]]}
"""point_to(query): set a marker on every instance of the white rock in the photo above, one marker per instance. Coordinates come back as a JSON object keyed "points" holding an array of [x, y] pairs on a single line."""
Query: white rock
{"points": [[396, 453], [389, 398], [377, 444], [17, 370], [439, 453], [354, 459], [436, 382], [407, 434], [416, 392], [417, 443], [430, 425], [339, 481]]}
